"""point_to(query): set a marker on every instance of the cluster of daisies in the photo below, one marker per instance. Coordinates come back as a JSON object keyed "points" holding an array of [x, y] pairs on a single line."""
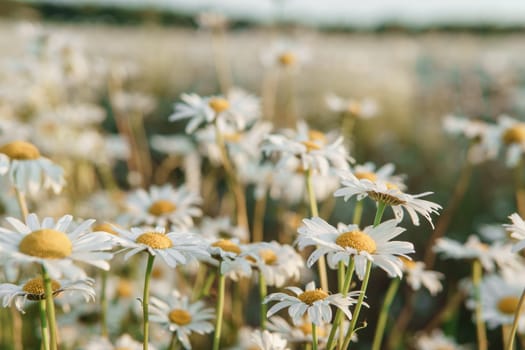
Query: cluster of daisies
{"points": [[184, 257]]}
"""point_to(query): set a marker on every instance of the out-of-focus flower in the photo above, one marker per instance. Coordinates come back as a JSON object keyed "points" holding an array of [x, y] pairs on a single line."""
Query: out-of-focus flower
{"points": [[231, 256], [517, 231], [384, 173], [313, 302], [350, 242], [285, 54], [55, 245], [222, 227], [33, 290], [264, 340], [181, 317], [129, 103], [365, 109], [417, 277], [509, 134], [388, 194], [27, 170], [437, 341], [125, 341], [163, 206]]}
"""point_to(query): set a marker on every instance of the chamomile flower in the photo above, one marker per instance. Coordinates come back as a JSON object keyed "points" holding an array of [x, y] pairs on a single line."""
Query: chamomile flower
{"points": [[278, 263], [222, 227], [349, 241], [417, 277], [365, 108], [490, 256], [231, 256], [285, 54], [264, 340], [510, 134], [316, 303], [437, 341], [517, 231], [384, 173], [300, 333], [388, 194], [33, 290], [125, 341], [181, 317], [316, 150], [27, 170], [174, 248], [163, 206], [56, 245]]}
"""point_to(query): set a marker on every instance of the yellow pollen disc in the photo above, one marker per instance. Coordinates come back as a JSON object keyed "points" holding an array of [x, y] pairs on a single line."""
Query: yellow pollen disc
{"points": [[219, 104], [287, 59], [124, 288], [311, 296], [20, 150], [514, 134], [233, 137], [368, 175], [162, 207], [227, 246], [46, 244], [35, 288], [306, 328], [105, 227], [316, 135], [354, 108], [409, 264], [392, 186], [155, 240], [269, 257], [180, 317], [508, 305], [358, 240], [311, 146]]}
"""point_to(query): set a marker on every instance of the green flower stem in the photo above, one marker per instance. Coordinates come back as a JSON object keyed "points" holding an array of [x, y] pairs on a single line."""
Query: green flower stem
{"points": [[173, 342], [383, 315], [207, 285], [43, 324], [323, 277], [379, 213], [358, 213], [219, 310], [104, 305], [145, 300], [339, 314], [314, 337], [50, 308], [22, 203], [340, 276], [512, 335], [263, 290], [477, 273], [357, 309]]}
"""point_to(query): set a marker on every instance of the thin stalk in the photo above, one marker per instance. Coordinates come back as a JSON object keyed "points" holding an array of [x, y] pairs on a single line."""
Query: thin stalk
{"points": [[145, 300], [219, 310], [263, 290], [358, 213], [207, 285], [515, 323], [258, 219], [477, 272], [173, 341], [379, 213], [314, 337], [50, 308], [323, 277], [104, 305], [22, 203], [43, 324], [505, 335], [200, 279], [357, 309], [383, 315], [340, 276], [339, 314]]}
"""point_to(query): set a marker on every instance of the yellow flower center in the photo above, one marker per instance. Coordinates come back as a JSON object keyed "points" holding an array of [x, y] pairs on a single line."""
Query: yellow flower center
{"points": [[180, 317], [46, 244], [155, 240], [354, 108], [227, 246], [20, 150], [409, 264], [316, 140], [233, 137], [311, 296], [287, 59], [162, 207], [358, 240], [508, 305], [105, 227], [368, 175], [514, 134], [269, 257], [219, 104], [124, 288], [35, 288]]}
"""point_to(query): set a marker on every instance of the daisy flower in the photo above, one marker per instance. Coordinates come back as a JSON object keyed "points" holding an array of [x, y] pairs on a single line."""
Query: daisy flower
{"points": [[510, 134], [174, 248], [278, 263], [125, 341], [384, 173], [313, 302], [363, 109], [285, 54], [349, 241], [55, 245], [316, 150], [222, 227], [300, 333], [490, 256], [437, 341], [268, 341], [181, 317], [388, 194], [417, 277], [162, 206], [517, 231], [231, 256], [27, 170], [33, 290]]}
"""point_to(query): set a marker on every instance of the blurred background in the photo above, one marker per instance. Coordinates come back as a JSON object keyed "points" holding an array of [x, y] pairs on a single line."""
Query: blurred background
{"points": [[418, 60]]}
